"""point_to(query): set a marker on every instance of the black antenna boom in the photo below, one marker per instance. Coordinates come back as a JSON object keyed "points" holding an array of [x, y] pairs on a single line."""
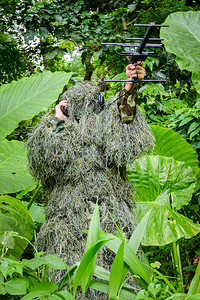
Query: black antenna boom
{"points": [[136, 50]]}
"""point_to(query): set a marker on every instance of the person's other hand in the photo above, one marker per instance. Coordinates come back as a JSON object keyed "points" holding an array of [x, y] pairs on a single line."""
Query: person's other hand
{"points": [[58, 109]]}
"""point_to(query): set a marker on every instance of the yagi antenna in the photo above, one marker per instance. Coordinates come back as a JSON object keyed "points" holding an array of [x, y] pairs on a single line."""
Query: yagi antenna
{"points": [[140, 49]]}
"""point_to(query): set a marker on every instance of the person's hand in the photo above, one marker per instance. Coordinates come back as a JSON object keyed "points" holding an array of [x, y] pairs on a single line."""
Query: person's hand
{"points": [[58, 109], [131, 73]]}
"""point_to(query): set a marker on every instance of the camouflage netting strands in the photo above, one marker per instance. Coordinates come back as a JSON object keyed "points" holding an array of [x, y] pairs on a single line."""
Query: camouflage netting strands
{"points": [[84, 163], [83, 98]]}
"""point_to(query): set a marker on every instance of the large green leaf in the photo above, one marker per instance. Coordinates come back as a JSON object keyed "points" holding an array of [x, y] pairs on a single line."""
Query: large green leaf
{"points": [[169, 143], [14, 175], [15, 217], [162, 184], [21, 100], [164, 225], [161, 179], [183, 39]]}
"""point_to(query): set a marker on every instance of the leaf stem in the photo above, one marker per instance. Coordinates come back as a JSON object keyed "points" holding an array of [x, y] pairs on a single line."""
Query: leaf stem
{"points": [[34, 196], [177, 262]]}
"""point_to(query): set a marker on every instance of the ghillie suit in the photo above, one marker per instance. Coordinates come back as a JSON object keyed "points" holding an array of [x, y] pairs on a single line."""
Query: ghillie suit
{"points": [[81, 164]]}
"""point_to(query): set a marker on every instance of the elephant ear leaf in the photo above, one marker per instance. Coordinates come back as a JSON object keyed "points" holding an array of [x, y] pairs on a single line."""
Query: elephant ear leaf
{"points": [[182, 38], [165, 225], [15, 222], [23, 99], [161, 185], [172, 144], [161, 179], [13, 167]]}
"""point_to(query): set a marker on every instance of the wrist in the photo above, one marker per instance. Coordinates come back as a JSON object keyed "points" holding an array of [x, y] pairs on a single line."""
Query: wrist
{"points": [[129, 86], [128, 90], [59, 116]]}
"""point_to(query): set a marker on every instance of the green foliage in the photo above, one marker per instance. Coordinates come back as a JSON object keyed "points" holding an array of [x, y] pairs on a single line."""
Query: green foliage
{"points": [[81, 25], [10, 52], [177, 109], [162, 185], [156, 189], [60, 27], [22, 100], [116, 280], [183, 39], [37, 212], [170, 183], [16, 225], [28, 278], [27, 97], [13, 167], [171, 144], [21, 278], [86, 269], [186, 121]]}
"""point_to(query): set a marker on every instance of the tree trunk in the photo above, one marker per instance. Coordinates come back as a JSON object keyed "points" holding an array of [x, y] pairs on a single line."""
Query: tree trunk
{"points": [[89, 66]]}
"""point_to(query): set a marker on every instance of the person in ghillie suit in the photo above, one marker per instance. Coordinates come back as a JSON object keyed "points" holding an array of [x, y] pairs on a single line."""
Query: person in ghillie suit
{"points": [[81, 158]]}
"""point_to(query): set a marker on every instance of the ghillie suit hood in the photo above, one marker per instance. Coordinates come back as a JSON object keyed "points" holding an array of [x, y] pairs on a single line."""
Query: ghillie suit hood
{"points": [[84, 98], [84, 163]]}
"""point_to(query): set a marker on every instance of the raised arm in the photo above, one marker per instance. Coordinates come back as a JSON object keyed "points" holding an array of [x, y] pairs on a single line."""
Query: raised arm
{"points": [[127, 102]]}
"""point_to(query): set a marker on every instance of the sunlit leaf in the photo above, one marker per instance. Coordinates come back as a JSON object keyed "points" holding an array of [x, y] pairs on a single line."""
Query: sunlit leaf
{"points": [[182, 38], [15, 217], [130, 258], [169, 143], [162, 184], [16, 286], [164, 225], [93, 229], [14, 175], [195, 285], [92, 238], [157, 178], [39, 290], [23, 99], [102, 286]]}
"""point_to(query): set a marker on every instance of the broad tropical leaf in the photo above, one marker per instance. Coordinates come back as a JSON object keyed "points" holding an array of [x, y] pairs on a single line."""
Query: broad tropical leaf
{"points": [[157, 178], [162, 184], [169, 143], [14, 175], [23, 99], [15, 217], [16, 286], [164, 225], [182, 38]]}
